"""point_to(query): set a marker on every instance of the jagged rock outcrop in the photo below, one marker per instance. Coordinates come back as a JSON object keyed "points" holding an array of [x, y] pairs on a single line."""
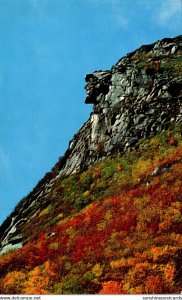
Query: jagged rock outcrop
{"points": [[139, 97]]}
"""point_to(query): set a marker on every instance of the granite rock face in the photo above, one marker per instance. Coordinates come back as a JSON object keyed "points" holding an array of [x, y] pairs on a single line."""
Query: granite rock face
{"points": [[140, 96]]}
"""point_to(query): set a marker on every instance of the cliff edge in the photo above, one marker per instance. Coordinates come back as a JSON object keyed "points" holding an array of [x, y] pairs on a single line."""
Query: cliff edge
{"points": [[139, 97]]}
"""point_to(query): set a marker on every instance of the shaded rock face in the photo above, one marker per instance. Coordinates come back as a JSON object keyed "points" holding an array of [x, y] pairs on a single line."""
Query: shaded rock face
{"points": [[140, 96]]}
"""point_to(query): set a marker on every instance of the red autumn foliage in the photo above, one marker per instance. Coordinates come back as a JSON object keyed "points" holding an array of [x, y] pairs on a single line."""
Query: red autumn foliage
{"points": [[129, 243], [154, 285]]}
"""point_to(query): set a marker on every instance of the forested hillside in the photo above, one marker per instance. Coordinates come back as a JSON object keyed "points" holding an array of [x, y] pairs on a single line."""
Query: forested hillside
{"points": [[107, 218], [115, 228]]}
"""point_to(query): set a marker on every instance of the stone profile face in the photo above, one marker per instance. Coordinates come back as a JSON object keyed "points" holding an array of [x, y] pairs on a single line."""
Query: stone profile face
{"points": [[98, 83], [140, 96]]}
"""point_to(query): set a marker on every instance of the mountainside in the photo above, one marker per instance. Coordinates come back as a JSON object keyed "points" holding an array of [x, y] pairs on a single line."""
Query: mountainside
{"points": [[107, 218], [137, 98]]}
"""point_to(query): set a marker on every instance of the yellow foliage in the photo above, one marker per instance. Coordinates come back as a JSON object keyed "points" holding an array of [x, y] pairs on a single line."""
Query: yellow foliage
{"points": [[172, 213], [177, 237], [177, 204], [49, 268], [86, 194], [44, 211], [108, 215], [169, 274], [101, 225], [154, 143], [141, 168], [61, 215], [126, 287], [163, 253], [14, 282], [70, 230], [136, 275], [54, 245], [97, 270], [142, 266], [132, 261], [148, 214], [139, 290], [142, 202], [170, 152], [37, 282], [121, 263]]}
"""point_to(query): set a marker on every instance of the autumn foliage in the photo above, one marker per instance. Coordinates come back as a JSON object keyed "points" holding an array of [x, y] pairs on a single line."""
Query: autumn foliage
{"points": [[111, 287], [117, 229]]}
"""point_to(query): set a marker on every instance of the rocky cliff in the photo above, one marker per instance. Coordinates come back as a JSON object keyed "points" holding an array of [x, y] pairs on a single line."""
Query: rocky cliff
{"points": [[139, 97]]}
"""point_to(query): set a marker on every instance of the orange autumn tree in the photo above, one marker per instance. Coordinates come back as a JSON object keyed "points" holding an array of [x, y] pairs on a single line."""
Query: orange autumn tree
{"points": [[39, 279], [111, 287], [13, 282]]}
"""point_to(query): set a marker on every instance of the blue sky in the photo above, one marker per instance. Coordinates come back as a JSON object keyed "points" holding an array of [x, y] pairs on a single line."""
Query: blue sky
{"points": [[46, 48]]}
